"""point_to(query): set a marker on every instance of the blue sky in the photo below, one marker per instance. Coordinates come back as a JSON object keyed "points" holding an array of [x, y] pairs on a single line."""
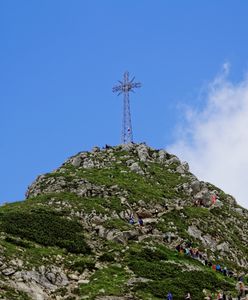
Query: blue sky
{"points": [[59, 60]]}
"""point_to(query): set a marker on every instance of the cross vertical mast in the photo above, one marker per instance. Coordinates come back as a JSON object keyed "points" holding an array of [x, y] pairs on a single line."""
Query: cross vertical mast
{"points": [[124, 88]]}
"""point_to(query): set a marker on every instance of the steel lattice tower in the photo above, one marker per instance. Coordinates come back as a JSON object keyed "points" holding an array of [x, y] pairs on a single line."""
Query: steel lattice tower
{"points": [[124, 88]]}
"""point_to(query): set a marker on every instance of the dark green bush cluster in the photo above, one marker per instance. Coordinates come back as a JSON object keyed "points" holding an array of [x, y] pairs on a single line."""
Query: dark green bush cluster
{"points": [[148, 254], [182, 282], [46, 228], [18, 242], [107, 257]]}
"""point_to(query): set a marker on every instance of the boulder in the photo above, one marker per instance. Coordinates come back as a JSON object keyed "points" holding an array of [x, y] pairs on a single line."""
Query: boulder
{"points": [[172, 160], [144, 213], [162, 155], [76, 161], [196, 187], [143, 154], [136, 168], [88, 163]]}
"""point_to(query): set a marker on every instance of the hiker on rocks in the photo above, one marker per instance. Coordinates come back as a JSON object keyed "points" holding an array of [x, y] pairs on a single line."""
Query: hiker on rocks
{"points": [[166, 206], [219, 296], [218, 268], [241, 289], [156, 213], [169, 296], [188, 296], [167, 237], [178, 247], [131, 220], [140, 221]]}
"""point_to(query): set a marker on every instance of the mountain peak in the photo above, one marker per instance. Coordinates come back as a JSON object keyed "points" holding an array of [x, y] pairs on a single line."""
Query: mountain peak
{"points": [[124, 222]]}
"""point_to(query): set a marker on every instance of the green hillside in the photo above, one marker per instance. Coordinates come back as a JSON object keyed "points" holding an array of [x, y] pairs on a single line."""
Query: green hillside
{"points": [[72, 239]]}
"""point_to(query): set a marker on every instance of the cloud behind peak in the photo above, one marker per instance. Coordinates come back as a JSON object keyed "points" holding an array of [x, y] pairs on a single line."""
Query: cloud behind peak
{"points": [[215, 138]]}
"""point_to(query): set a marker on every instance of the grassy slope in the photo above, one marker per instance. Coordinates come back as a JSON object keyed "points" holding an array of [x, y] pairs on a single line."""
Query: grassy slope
{"points": [[32, 231]]}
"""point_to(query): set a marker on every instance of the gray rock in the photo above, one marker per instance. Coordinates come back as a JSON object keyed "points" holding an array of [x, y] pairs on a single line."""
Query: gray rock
{"points": [[173, 160], [8, 271], [142, 203], [180, 169], [185, 166], [76, 161], [130, 162], [144, 213], [143, 152], [127, 147], [73, 277], [196, 187], [83, 281], [136, 168], [223, 247], [88, 164], [194, 232], [51, 277], [162, 154], [135, 280], [97, 220], [239, 210], [130, 234], [230, 199]]}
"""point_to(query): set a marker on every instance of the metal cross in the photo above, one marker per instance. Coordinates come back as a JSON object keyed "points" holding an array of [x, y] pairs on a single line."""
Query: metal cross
{"points": [[124, 88]]}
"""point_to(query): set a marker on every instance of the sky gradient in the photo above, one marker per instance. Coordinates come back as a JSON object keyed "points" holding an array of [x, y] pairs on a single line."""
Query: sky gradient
{"points": [[60, 59]]}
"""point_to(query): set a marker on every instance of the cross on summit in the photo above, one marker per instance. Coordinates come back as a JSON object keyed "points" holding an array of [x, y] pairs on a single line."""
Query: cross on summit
{"points": [[124, 88]]}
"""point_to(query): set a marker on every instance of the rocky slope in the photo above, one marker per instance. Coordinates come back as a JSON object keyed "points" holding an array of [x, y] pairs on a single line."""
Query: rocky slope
{"points": [[71, 238]]}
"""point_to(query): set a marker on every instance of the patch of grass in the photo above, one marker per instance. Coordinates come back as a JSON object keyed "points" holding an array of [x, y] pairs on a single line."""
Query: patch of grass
{"points": [[107, 281], [117, 224], [180, 222], [82, 263], [196, 212], [167, 273]]}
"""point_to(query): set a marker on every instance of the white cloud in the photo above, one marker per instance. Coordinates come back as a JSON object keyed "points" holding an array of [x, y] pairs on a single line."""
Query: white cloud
{"points": [[214, 140]]}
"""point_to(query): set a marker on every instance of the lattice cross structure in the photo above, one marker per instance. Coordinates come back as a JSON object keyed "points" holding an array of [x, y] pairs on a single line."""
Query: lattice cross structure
{"points": [[124, 88]]}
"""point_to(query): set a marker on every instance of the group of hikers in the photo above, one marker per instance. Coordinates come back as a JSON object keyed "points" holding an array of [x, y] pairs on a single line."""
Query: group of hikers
{"points": [[218, 295], [132, 221], [170, 296], [224, 296], [186, 248]]}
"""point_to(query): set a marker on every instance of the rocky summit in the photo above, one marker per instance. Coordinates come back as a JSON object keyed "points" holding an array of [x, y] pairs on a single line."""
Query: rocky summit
{"points": [[123, 222]]}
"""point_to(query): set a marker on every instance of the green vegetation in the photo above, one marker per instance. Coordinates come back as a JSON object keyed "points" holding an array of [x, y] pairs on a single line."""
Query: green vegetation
{"points": [[82, 263], [57, 229], [46, 228], [107, 281], [168, 271]]}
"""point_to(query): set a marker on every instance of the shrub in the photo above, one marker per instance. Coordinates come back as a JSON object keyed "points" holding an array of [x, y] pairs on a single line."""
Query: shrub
{"points": [[107, 257], [46, 228]]}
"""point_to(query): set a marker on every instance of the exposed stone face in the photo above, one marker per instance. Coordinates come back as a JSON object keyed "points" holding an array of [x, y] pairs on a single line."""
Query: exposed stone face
{"points": [[80, 187]]}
